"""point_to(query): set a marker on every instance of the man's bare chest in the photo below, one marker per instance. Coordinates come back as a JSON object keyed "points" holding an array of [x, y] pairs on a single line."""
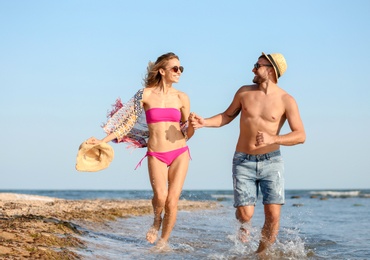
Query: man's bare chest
{"points": [[266, 109]]}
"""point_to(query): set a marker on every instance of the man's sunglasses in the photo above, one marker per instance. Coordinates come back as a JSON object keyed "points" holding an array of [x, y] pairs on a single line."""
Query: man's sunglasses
{"points": [[176, 69], [257, 65]]}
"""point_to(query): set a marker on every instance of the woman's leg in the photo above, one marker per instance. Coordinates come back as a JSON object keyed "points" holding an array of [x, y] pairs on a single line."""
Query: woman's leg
{"points": [[176, 178], [158, 175]]}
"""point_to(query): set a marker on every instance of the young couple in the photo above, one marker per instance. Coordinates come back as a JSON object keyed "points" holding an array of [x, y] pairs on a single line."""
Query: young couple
{"points": [[257, 164]]}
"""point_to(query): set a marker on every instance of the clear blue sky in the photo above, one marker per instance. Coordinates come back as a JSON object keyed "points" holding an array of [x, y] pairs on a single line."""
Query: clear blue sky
{"points": [[63, 63]]}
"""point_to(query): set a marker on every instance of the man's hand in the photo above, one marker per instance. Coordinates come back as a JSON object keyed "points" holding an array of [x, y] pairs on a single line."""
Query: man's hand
{"points": [[196, 121], [264, 138]]}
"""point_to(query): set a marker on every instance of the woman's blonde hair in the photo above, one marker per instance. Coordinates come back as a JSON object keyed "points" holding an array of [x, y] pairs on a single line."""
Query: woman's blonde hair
{"points": [[153, 77]]}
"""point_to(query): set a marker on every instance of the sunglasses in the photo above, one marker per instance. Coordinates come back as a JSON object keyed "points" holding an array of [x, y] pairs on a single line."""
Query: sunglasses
{"points": [[257, 65], [176, 69]]}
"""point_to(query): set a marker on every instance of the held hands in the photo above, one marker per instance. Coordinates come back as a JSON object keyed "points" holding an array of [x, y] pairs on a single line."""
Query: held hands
{"points": [[196, 121], [191, 116]]}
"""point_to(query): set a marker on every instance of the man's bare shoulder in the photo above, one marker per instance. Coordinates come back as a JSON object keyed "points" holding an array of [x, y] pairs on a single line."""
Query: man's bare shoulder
{"points": [[287, 99], [246, 88], [283, 93]]}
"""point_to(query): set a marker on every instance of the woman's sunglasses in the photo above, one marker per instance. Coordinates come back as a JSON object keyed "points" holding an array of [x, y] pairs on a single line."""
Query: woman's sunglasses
{"points": [[176, 69]]}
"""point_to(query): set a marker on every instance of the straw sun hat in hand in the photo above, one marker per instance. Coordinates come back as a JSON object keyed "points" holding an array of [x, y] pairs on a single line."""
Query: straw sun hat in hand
{"points": [[94, 157]]}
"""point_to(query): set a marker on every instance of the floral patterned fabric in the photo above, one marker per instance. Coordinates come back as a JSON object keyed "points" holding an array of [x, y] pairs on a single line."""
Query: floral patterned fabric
{"points": [[128, 122]]}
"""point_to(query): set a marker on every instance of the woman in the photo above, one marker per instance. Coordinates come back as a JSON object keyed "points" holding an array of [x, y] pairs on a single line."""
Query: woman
{"points": [[167, 111]]}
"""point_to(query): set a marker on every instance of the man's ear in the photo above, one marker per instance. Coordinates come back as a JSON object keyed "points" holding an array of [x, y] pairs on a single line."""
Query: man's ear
{"points": [[272, 75]]}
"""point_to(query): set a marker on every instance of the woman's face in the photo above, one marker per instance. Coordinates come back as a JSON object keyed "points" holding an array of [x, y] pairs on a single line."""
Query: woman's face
{"points": [[172, 71]]}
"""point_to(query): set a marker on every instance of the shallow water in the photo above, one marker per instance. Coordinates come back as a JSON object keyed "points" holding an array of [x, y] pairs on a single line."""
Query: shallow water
{"points": [[336, 228], [332, 225]]}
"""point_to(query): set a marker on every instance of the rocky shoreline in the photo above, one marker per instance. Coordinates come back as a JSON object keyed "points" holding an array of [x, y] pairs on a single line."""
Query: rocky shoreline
{"points": [[37, 227]]}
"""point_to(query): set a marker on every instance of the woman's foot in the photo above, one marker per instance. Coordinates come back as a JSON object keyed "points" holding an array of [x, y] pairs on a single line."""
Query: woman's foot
{"points": [[162, 246], [152, 235]]}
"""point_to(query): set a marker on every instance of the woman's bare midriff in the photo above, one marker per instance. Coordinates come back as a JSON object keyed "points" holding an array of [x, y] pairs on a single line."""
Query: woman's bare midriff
{"points": [[165, 136]]}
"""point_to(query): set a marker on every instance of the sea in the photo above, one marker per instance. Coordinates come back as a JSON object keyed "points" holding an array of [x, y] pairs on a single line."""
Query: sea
{"points": [[315, 224]]}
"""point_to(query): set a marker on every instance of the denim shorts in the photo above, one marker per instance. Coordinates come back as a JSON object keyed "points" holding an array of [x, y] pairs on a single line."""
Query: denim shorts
{"points": [[254, 172]]}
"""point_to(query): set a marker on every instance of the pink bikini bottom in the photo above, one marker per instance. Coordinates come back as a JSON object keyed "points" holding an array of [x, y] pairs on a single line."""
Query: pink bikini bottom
{"points": [[166, 157]]}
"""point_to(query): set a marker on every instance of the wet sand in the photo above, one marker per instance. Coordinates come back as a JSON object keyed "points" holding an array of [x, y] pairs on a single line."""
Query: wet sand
{"points": [[38, 227]]}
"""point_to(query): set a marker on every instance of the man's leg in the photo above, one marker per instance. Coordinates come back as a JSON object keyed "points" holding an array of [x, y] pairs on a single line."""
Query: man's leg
{"points": [[245, 192], [272, 188], [270, 229], [244, 214]]}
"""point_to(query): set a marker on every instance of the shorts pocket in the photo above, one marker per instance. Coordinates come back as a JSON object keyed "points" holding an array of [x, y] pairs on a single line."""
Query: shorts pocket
{"points": [[276, 159], [238, 158]]}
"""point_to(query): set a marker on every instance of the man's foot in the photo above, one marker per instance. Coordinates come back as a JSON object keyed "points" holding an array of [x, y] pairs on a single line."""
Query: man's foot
{"points": [[263, 250], [263, 255], [243, 234], [152, 235]]}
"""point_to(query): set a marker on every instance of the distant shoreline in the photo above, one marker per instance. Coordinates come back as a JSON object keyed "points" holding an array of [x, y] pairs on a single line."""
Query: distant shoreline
{"points": [[3, 190]]}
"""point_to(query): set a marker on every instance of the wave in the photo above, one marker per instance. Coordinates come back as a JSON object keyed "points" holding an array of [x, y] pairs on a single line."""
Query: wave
{"points": [[339, 194]]}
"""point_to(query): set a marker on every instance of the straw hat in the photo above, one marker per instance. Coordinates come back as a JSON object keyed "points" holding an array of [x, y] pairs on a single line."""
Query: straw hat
{"points": [[278, 62], [94, 157]]}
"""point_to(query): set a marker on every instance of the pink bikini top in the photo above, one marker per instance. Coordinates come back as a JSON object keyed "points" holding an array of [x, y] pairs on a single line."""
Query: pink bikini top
{"points": [[155, 115]]}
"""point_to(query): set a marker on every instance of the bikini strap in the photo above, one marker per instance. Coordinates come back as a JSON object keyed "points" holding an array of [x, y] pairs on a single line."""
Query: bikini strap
{"points": [[139, 164]]}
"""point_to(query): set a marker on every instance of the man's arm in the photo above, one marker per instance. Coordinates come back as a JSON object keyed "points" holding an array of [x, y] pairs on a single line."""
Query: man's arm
{"points": [[297, 134], [220, 119]]}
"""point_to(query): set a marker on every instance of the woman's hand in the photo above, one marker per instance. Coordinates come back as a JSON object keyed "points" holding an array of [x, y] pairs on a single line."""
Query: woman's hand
{"points": [[191, 117], [93, 140]]}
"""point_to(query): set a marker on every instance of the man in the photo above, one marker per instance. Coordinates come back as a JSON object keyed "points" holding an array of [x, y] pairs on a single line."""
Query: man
{"points": [[257, 161]]}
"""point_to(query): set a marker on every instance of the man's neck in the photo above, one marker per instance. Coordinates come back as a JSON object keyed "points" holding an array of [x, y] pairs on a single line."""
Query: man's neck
{"points": [[267, 86]]}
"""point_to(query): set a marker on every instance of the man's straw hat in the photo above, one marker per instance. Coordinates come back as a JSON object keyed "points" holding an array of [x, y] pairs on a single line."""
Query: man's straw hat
{"points": [[94, 157], [278, 62]]}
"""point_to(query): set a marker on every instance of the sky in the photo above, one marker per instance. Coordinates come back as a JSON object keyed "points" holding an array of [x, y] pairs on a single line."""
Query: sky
{"points": [[63, 63]]}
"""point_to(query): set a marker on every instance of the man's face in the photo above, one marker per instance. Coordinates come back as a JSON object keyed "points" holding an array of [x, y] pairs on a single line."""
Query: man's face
{"points": [[261, 70]]}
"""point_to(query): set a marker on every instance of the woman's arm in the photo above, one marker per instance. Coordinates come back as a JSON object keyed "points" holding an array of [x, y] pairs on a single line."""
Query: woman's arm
{"points": [[107, 139], [185, 115]]}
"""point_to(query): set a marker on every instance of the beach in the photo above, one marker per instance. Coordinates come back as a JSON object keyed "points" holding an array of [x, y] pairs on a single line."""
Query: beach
{"points": [[34, 226], [112, 224]]}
